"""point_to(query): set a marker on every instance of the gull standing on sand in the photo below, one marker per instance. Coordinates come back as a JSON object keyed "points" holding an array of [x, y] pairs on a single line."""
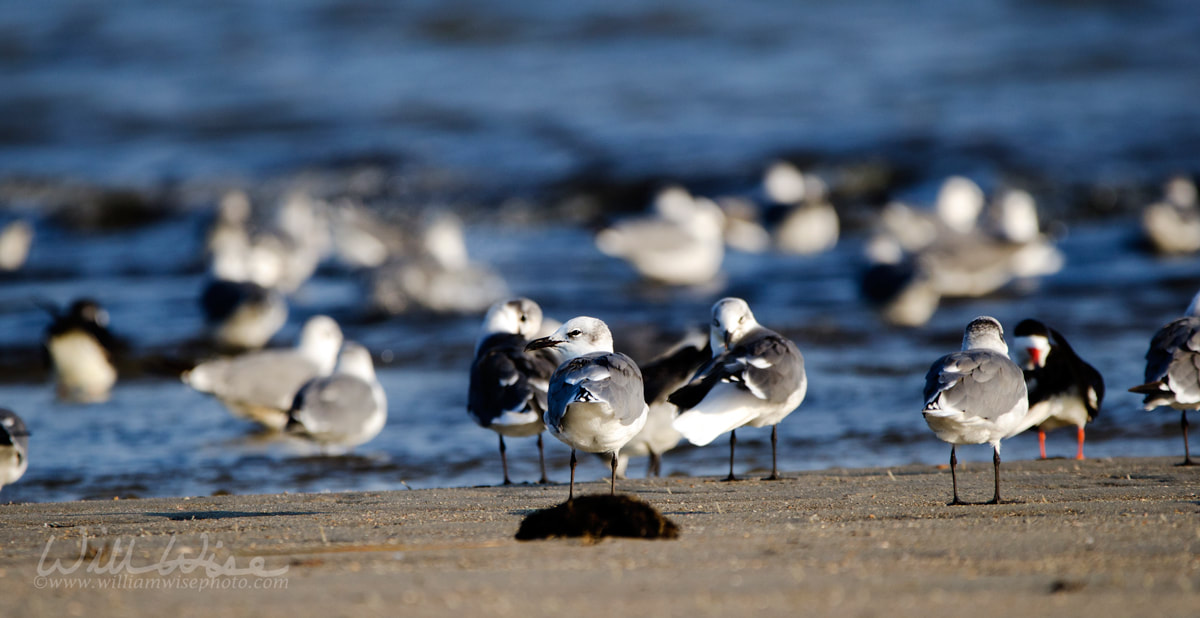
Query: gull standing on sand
{"points": [[662, 376], [260, 386], [508, 385], [1173, 370], [596, 399], [14, 447], [81, 350], [343, 410], [976, 395], [756, 377], [1064, 390]]}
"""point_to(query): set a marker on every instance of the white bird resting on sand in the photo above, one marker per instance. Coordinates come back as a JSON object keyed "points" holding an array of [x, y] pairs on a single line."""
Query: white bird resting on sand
{"points": [[260, 386], [756, 377], [596, 402], [343, 410], [976, 395]]}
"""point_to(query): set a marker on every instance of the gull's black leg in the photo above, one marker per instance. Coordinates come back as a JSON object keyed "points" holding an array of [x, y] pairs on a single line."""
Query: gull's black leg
{"points": [[774, 462], [732, 441], [504, 460], [571, 492], [1187, 455], [996, 468], [612, 491], [655, 465], [954, 476], [542, 459]]}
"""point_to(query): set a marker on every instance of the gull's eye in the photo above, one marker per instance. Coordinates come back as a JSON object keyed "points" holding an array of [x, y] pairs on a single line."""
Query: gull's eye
{"points": [[574, 333], [524, 318], [742, 319], [716, 323]]}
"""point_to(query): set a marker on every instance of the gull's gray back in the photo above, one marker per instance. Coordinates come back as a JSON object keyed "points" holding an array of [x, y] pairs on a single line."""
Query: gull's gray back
{"points": [[978, 383], [600, 376]]}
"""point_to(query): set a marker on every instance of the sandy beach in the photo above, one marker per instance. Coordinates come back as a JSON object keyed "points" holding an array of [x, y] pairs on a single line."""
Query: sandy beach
{"points": [[1117, 537]]}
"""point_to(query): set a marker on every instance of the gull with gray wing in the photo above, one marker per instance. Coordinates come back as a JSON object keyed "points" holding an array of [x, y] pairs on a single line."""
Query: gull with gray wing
{"points": [[596, 397], [345, 409], [260, 386], [976, 395], [756, 377], [1173, 370], [14, 447], [508, 384]]}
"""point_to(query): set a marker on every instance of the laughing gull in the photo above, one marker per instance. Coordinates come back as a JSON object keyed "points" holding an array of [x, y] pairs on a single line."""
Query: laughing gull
{"points": [[976, 395], [14, 447], [682, 243], [439, 278], [755, 377], [343, 410], [897, 285], [81, 348], [662, 376], [1173, 370], [811, 223], [242, 315], [1064, 390], [15, 240], [596, 399], [508, 385], [1172, 225], [260, 386]]}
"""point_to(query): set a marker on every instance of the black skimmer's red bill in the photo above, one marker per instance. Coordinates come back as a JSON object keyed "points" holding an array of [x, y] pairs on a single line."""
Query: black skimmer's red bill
{"points": [[596, 401], [756, 377], [14, 447], [261, 386], [1173, 370], [1064, 391], [508, 385], [81, 350], [343, 410], [976, 395]]}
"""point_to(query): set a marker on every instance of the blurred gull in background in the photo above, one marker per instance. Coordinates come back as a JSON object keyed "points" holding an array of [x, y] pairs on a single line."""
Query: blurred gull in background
{"points": [[1172, 225], [439, 278], [15, 239], [680, 243], [81, 349], [260, 386], [343, 410], [811, 224], [14, 447]]}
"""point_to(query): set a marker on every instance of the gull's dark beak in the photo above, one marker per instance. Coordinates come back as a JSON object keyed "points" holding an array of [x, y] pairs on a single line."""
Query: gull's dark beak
{"points": [[728, 340], [538, 344]]}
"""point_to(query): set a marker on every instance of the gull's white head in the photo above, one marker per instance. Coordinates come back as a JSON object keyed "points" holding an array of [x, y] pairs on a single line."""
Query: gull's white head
{"points": [[985, 333], [1181, 191], [319, 342], [959, 203], [578, 336], [784, 183], [518, 316], [1015, 217], [355, 360], [731, 321], [674, 203]]}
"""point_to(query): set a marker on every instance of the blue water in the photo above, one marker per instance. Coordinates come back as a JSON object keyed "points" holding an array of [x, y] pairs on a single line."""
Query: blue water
{"points": [[477, 102], [507, 95]]}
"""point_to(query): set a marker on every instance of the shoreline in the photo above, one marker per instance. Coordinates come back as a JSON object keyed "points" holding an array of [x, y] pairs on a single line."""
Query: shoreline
{"points": [[1103, 537]]}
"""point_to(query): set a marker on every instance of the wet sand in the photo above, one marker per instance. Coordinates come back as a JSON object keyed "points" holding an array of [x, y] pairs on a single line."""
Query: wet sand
{"points": [[1117, 537]]}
